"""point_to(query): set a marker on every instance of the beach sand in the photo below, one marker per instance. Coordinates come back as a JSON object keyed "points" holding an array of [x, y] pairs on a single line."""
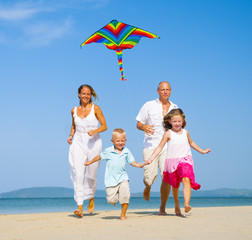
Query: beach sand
{"points": [[200, 223]]}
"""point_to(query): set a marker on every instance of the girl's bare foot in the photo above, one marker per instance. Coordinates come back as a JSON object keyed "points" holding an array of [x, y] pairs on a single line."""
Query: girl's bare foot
{"points": [[91, 205], [78, 213], [188, 208], [178, 212]]}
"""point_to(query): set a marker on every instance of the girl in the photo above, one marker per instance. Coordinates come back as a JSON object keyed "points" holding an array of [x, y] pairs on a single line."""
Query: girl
{"points": [[85, 145], [179, 163]]}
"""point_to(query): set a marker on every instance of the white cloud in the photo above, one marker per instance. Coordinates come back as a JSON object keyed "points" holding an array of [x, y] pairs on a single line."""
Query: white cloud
{"points": [[43, 33], [76, 4], [26, 19], [18, 11]]}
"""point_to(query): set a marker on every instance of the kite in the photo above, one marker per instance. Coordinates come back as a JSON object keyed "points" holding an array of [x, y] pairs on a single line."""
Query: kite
{"points": [[119, 36]]}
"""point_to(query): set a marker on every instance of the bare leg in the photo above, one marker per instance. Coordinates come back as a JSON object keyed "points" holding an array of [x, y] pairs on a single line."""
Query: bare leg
{"points": [[124, 209], [146, 192], [164, 195], [176, 201], [91, 205], [79, 212], [187, 193]]}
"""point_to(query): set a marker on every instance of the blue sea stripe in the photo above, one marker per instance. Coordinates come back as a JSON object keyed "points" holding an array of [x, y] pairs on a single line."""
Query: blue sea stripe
{"points": [[103, 40]]}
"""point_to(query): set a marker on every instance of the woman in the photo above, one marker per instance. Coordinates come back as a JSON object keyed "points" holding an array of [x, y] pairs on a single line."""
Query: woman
{"points": [[85, 146]]}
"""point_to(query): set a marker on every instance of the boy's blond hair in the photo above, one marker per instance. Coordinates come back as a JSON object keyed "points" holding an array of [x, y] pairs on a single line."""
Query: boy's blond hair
{"points": [[118, 131]]}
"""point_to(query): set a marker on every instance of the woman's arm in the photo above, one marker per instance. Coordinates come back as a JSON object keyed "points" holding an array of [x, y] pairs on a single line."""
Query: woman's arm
{"points": [[72, 131], [96, 159], [195, 146], [159, 148], [101, 119]]}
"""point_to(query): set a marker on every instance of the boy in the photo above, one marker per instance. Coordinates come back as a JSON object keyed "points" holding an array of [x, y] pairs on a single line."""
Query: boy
{"points": [[116, 179]]}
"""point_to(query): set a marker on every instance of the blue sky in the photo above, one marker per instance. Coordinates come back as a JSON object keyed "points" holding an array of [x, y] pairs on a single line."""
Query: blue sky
{"points": [[204, 51]]}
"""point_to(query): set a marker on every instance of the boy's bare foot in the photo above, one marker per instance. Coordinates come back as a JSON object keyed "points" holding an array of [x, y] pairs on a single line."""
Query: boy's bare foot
{"points": [[91, 205], [178, 212], [146, 193], [123, 218], [188, 208], [162, 212], [78, 213]]}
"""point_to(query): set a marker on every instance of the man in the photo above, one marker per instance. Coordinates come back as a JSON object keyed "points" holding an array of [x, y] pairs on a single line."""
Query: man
{"points": [[150, 120]]}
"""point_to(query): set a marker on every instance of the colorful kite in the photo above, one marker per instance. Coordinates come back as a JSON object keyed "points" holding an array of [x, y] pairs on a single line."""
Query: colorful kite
{"points": [[118, 36]]}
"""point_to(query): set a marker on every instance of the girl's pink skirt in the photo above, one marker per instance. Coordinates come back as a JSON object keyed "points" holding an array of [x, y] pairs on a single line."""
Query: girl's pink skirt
{"points": [[183, 170]]}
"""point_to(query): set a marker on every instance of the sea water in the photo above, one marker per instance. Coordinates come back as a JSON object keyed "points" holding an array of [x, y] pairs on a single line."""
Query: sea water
{"points": [[47, 205]]}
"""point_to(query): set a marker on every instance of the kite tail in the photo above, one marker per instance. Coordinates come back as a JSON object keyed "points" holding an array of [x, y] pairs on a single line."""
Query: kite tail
{"points": [[119, 56]]}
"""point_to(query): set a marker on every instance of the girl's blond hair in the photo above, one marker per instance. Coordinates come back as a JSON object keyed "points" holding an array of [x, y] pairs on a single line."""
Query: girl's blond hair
{"points": [[118, 131]]}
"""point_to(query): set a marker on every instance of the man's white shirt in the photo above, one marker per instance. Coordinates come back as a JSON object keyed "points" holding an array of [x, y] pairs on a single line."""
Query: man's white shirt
{"points": [[151, 113]]}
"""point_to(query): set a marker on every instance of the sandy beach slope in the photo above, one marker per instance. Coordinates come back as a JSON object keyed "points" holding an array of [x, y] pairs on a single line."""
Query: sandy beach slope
{"points": [[201, 223]]}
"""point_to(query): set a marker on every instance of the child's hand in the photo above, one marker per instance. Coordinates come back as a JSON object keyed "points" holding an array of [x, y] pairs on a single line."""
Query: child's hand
{"points": [[87, 163], [149, 161], [141, 165], [206, 151]]}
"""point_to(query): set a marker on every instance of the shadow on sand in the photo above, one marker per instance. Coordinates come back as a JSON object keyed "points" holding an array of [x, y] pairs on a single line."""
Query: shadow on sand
{"points": [[151, 213], [84, 215]]}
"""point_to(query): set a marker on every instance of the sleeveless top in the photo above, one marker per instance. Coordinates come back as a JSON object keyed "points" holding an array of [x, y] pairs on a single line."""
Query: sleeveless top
{"points": [[178, 151], [84, 125]]}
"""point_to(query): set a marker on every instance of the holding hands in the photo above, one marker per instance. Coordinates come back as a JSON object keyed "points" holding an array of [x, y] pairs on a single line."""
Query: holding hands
{"points": [[149, 161]]}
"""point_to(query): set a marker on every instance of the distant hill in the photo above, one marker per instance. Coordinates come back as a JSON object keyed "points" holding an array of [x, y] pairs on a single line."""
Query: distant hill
{"points": [[45, 192], [60, 192]]}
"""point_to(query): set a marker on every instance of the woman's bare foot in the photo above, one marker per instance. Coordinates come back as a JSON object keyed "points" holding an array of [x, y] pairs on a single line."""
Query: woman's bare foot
{"points": [[78, 213], [146, 193], [91, 205], [123, 217], [188, 208]]}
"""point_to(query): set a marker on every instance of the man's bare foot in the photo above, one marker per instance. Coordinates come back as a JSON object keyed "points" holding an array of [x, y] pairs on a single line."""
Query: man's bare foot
{"points": [[146, 193], [188, 208], [178, 212], [91, 205], [78, 213], [123, 218], [162, 212]]}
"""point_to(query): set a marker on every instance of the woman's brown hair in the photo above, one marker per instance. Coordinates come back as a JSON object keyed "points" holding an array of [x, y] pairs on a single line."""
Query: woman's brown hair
{"points": [[93, 93]]}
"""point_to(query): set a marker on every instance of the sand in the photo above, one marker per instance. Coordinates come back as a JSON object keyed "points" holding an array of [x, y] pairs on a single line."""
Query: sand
{"points": [[200, 223]]}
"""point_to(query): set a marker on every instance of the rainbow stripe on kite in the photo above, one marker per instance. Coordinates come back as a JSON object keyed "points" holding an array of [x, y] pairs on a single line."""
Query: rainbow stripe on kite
{"points": [[119, 36]]}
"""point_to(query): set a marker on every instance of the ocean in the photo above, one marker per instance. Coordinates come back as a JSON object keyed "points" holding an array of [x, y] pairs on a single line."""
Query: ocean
{"points": [[49, 205]]}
